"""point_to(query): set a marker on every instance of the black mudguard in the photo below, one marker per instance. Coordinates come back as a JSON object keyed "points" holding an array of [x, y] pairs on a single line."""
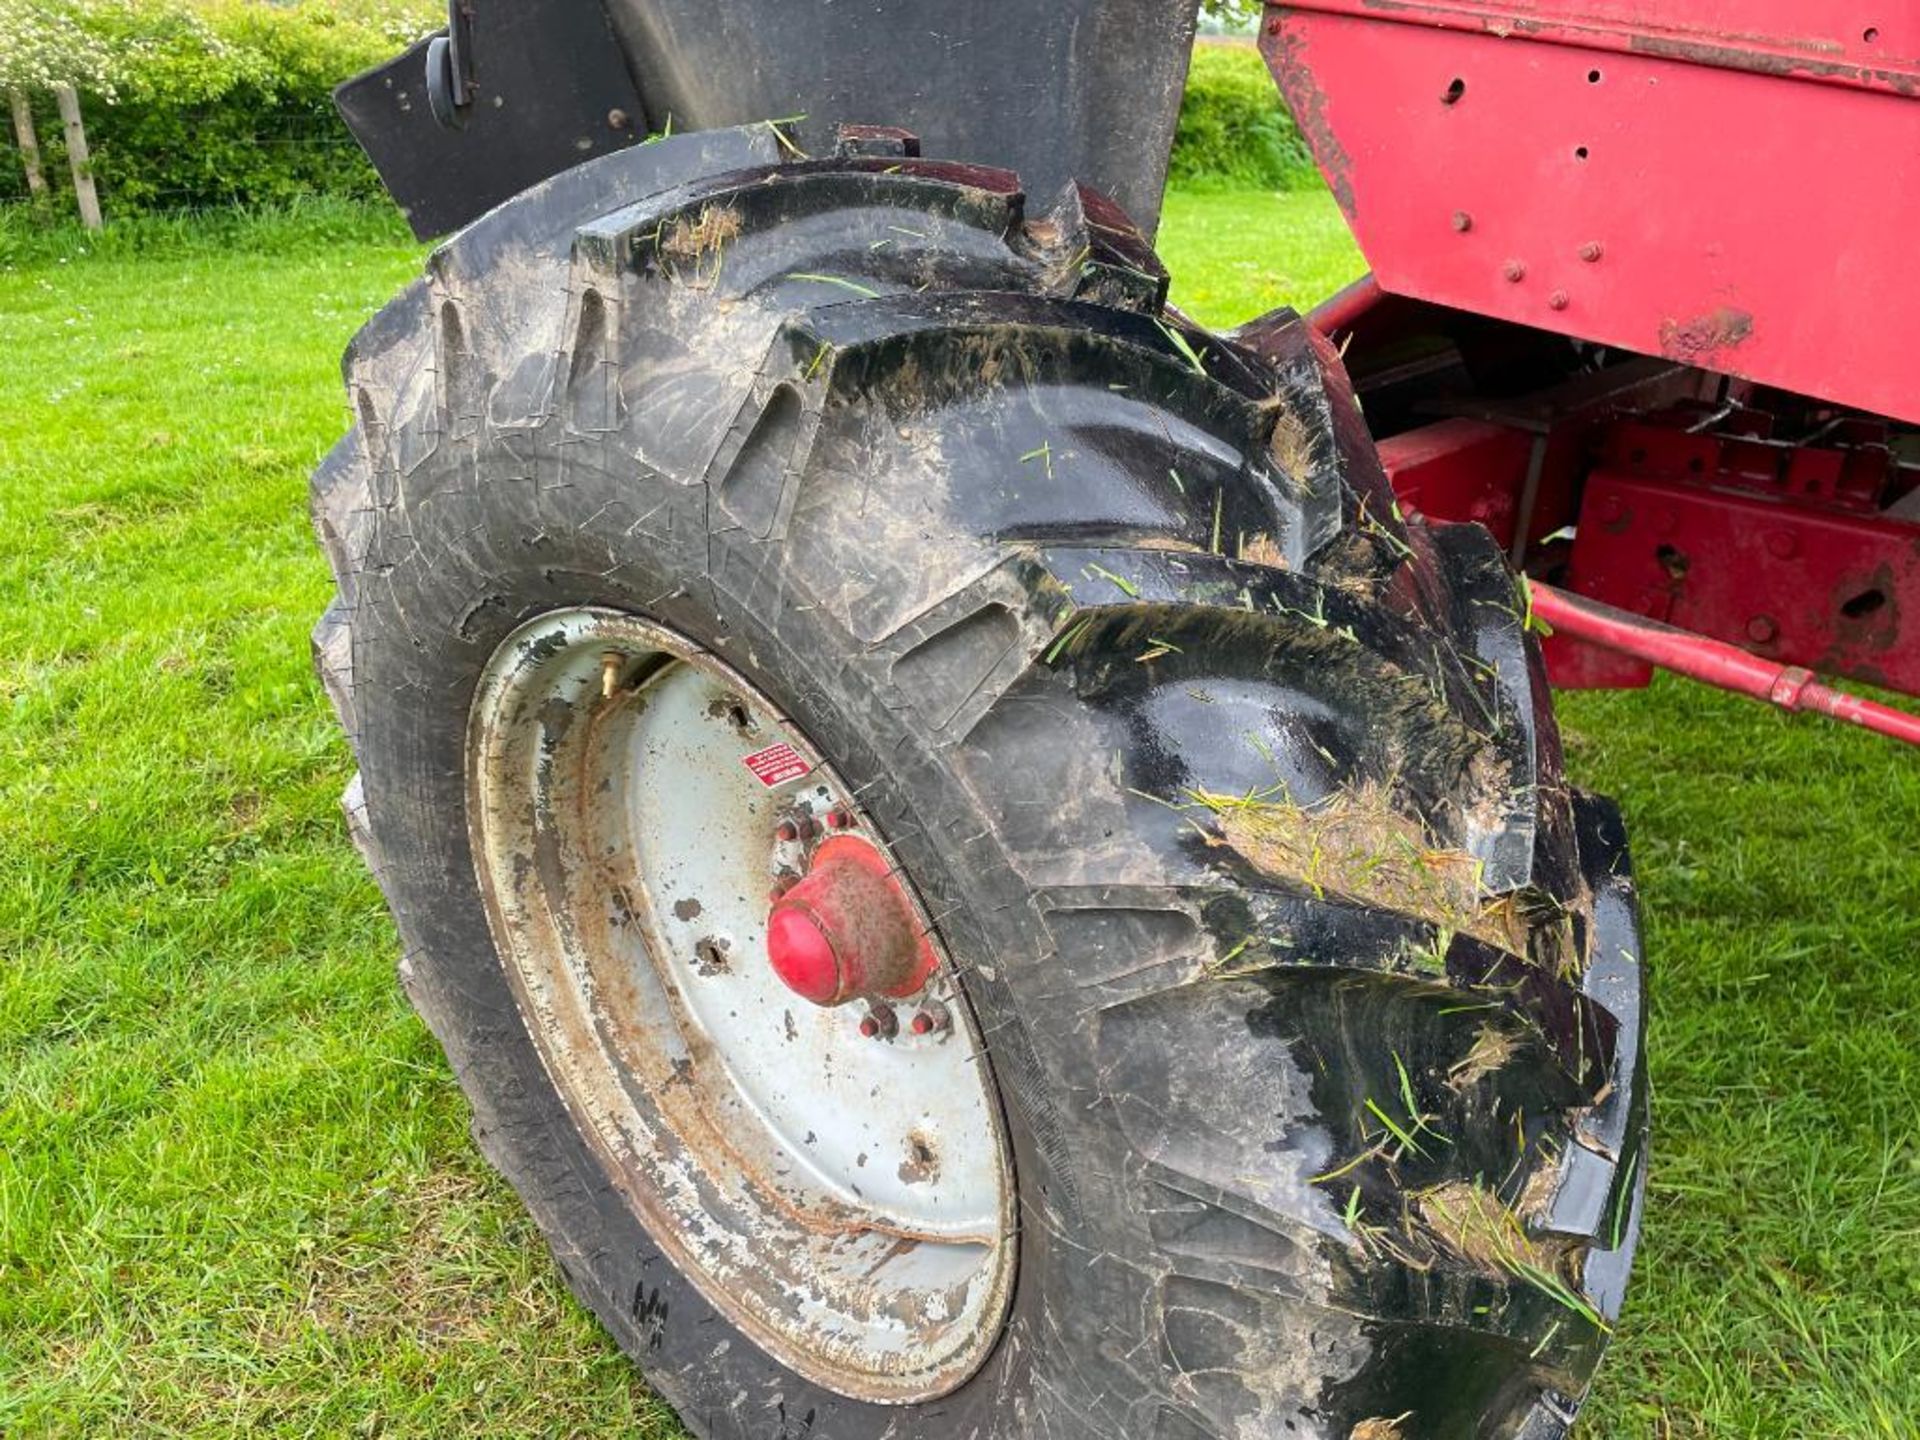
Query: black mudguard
{"points": [[1067, 90]]}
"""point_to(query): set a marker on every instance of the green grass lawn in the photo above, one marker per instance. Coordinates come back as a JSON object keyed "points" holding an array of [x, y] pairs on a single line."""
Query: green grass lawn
{"points": [[236, 1192]]}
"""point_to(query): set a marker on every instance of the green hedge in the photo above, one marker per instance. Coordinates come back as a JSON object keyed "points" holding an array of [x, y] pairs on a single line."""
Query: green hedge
{"points": [[1234, 130], [225, 101], [230, 101]]}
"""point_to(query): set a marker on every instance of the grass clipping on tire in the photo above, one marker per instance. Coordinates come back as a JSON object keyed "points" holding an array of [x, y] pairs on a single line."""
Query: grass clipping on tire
{"points": [[1356, 845], [1472, 1224]]}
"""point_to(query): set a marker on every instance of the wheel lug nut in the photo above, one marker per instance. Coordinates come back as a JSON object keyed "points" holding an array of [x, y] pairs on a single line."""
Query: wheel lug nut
{"points": [[839, 818], [930, 1019], [796, 824], [879, 1023]]}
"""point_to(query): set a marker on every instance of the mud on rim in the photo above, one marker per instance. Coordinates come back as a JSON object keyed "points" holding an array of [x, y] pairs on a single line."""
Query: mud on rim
{"points": [[833, 1177]]}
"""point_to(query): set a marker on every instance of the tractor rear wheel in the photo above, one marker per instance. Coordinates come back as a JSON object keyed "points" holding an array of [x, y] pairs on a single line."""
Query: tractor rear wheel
{"points": [[979, 877]]}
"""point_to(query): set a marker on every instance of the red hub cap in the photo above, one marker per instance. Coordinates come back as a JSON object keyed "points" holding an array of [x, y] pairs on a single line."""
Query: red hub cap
{"points": [[847, 930]]}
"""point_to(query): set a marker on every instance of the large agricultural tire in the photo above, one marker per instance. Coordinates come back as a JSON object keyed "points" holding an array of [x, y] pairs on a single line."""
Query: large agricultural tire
{"points": [[1307, 990]]}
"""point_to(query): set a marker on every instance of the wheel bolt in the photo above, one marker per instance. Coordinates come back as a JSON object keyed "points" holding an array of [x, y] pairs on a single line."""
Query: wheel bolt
{"points": [[930, 1019], [880, 1023], [839, 818], [786, 831]]}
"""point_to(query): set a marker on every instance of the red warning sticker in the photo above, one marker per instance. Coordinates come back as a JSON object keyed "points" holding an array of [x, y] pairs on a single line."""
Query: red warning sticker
{"points": [[778, 764]]}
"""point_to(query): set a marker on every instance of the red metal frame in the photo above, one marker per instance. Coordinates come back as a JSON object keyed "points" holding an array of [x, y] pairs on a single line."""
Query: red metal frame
{"points": [[1755, 545], [1714, 663], [1461, 470], [1807, 553], [1685, 181], [1734, 184], [1516, 465], [1868, 46]]}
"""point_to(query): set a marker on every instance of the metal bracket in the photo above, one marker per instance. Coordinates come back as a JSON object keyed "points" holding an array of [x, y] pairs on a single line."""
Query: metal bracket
{"points": [[510, 94], [450, 68]]}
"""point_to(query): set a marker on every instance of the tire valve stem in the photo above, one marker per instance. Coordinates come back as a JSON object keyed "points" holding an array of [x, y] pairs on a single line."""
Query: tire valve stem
{"points": [[610, 663], [931, 1019], [879, 1023]]}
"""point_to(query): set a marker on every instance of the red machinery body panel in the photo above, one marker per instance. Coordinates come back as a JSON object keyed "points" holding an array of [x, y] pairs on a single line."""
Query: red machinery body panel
{"points": [[1733, 185], [1778, 549]]}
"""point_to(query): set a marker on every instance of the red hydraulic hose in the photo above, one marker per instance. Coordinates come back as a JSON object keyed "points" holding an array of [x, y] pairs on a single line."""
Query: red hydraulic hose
{"points": [[1713, 662]]}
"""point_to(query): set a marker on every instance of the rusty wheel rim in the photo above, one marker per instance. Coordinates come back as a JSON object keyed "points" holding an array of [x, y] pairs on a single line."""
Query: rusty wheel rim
{"points": [[836, 1182]]}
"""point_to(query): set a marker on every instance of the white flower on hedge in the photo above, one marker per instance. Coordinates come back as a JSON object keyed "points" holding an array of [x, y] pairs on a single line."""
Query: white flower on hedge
{"points": [[44, 43]]}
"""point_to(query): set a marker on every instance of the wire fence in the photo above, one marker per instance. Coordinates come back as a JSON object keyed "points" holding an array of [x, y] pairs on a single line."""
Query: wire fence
{"points": [[151, 160]]}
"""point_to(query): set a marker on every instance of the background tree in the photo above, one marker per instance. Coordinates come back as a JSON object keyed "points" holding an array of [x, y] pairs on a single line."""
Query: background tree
{"points": [[54, 45], [1232, 16]]}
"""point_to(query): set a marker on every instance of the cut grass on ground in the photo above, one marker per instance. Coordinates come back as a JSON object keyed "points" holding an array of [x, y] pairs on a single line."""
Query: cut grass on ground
{"points": [[236, 1191], [1234, 256]]}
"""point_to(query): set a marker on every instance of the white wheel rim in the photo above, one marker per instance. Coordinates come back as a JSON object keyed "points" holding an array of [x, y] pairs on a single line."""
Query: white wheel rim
{"points": [[846, 1200]]}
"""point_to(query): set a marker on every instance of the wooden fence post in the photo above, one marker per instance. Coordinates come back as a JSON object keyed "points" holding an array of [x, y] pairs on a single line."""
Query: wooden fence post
{"points": [[77, 155], [23, 132]]}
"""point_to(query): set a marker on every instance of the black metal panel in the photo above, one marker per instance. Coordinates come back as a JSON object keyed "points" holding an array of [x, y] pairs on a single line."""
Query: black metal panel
{"points": [[1056, 89], [551, 90]]}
